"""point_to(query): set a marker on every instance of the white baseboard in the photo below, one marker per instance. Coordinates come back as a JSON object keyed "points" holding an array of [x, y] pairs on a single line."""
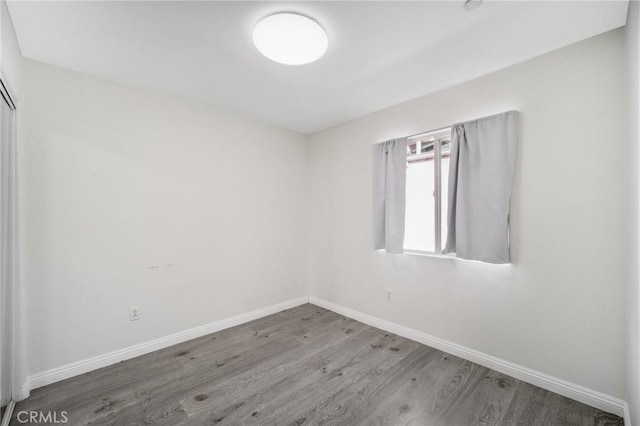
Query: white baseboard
{"points": [[627, 414], [80, 367], [570, 390], [25, 389]]}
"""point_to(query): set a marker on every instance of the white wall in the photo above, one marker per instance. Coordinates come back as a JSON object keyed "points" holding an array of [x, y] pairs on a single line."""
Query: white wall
{"points": [[559, 308], [133, 198], [633, 357]]}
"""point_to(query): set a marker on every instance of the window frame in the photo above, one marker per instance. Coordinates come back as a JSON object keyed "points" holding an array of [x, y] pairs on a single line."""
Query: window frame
{"points": [[436, 137]]}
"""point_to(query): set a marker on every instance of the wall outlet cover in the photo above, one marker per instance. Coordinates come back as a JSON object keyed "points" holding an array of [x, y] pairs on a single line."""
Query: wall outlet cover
{"points": [[134, 313]]}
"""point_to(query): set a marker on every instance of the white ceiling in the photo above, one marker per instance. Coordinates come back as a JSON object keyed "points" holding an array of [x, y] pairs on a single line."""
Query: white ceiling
{"points": [[380, 53]]}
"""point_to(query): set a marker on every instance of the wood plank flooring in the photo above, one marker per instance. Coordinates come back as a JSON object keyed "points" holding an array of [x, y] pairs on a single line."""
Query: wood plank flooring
{"points": [[304, 366]]}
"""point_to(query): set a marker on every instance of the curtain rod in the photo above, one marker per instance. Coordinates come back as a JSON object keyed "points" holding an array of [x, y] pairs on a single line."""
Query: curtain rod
{"points": [[450, 126], [429, 131]]}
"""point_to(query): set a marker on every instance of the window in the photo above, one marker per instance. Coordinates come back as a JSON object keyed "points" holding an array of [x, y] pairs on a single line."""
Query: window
{"points": [[427, 191]]}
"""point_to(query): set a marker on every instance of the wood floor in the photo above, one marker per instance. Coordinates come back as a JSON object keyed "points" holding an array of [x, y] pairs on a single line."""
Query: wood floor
{"points": [[304, 366]]}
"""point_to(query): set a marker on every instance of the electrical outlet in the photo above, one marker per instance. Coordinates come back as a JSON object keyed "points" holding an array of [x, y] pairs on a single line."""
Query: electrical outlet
{"points": [[388, 295], [134, 313]]}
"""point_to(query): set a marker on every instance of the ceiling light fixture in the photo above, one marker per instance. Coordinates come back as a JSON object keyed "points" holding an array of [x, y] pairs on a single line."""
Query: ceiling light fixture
{"points": [[290, 39], [472, 4]]}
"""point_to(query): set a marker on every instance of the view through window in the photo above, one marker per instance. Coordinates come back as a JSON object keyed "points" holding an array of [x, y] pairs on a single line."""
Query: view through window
{"points": [[427, 191]]}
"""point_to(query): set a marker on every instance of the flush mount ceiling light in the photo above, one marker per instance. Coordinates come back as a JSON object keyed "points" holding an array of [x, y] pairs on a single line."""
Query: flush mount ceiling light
{"points": [[472, 4], [290, 38]]}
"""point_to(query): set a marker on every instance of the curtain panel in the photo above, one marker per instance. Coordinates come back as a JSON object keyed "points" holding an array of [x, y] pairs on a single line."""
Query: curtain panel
{"points": [[483, 154], [389, 181]]}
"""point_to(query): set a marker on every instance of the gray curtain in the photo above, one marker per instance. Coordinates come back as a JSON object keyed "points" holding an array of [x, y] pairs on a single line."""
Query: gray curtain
{"points": [[389, 181], [483, 154]]}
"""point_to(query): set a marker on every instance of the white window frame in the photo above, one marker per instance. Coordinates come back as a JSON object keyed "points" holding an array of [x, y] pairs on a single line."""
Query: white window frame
{"points": [[436, 154]]}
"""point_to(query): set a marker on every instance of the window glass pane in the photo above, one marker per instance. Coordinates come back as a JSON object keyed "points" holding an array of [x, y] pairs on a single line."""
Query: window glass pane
{"points": [[445, 146], [420, 206], [444, 205], [426, 147]]}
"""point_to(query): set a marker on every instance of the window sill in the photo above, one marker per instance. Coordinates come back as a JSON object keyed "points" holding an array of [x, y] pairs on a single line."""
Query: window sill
{"points": [[429, 254], [450, 256]]}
